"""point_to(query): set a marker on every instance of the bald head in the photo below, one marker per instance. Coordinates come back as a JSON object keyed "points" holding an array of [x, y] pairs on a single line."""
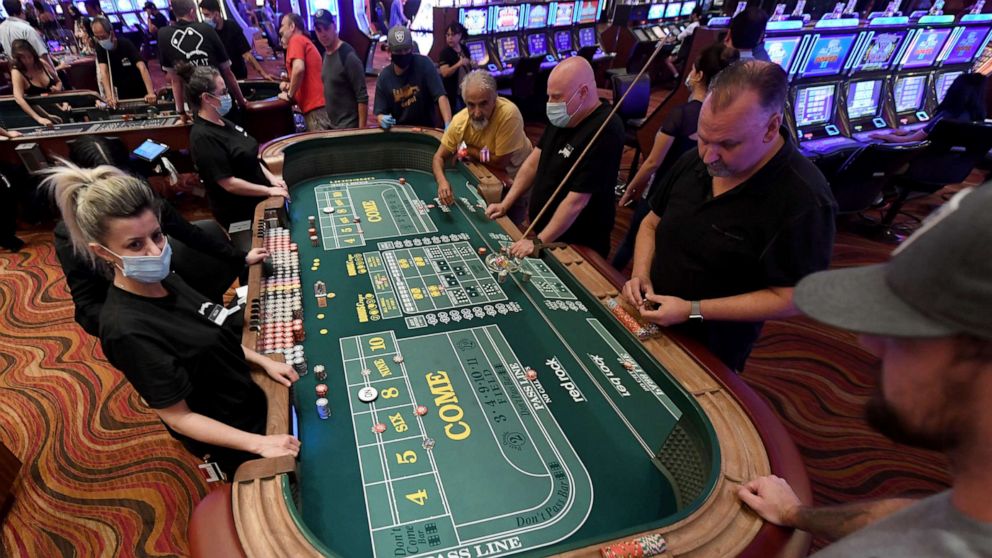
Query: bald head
{"points": [[573, 83]]}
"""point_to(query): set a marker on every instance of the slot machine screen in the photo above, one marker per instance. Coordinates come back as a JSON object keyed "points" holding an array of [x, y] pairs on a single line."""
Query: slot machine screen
{"points": [[475, 20], [814, 105], [639, 13], [564, 14], [944, 82], [124, 5], [132, 20], [537, 17], [161, 4], [688, 7], [863, 98], [881, 51], [656, 11], [506, 18], [828, 54], [107, 6], [673, 10], [781, 50], [477, 52], [925, 48], [508, 47], [909, 92], [588, 11], [537, 44], [587, 37], [563, 41], [968, 43]]}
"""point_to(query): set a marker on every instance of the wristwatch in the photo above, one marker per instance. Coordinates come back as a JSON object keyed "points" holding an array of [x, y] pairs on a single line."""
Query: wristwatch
{"points": [[694, 311]]}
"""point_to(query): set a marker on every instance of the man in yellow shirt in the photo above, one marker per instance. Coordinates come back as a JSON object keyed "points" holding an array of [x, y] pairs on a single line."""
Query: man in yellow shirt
{"points": [[492, 130]]}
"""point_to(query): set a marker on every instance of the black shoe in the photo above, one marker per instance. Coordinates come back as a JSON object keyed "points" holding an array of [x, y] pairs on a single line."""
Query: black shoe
{"points": [[13, 244]]}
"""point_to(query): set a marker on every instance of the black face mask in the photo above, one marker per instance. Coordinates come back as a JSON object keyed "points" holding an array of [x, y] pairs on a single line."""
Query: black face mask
{"points": [[402, 61]]}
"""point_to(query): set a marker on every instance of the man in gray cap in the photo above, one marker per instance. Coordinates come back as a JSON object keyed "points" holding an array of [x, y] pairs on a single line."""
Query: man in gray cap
{"points": [[927, 314], [408, 89]]}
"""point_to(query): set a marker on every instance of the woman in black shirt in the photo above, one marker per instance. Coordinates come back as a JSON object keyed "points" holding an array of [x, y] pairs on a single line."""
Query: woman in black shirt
{"points": [[159, 332], [224, 154], [676, 136], [455, 64]]}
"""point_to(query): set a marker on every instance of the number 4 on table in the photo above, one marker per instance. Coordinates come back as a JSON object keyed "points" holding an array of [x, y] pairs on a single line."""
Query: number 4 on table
{"points": [[419, 497]]}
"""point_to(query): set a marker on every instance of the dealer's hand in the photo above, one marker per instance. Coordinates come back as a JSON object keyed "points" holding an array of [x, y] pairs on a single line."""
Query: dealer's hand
{"points": [[386, 121], [671, 310], [256, 255], [635, 289], [444, 193], [280, 372], [522, 248], [495, 210], [277, 445], [276, 191], [279, 183], [772, 498]]}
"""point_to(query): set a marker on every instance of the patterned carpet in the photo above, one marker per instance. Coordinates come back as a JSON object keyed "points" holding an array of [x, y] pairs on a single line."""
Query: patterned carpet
{"points": [[102, 478]]}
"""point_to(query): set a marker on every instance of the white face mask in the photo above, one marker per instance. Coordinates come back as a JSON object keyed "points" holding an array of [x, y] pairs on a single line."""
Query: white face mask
{"points": [[146, 269]]}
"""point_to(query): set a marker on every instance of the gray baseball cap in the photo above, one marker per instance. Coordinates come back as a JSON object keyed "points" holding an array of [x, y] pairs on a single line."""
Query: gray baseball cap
{"points": [[399, 38], [938, 283]]}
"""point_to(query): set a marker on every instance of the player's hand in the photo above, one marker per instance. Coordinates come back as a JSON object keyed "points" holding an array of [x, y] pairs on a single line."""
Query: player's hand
{"points": [[269, 77], [256, 255], [523, 248], [495, 210], [58, 86], [635, 289], [671, 310], [277, 445], [281, 372], [285, 97], [112, 103], [46, 122], [276, 191], [283, 86], [151, 98], [185, 118], [772, 498], [386, 121], [13, 134], [444, 193], [629, 195]]}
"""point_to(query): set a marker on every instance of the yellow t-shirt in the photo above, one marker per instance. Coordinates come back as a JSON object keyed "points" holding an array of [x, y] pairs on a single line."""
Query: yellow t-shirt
{"points": [[504, 134]]}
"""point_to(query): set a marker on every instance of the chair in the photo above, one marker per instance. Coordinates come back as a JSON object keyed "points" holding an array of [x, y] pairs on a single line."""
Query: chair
{"points": [[865, 174], [632, 112], [953, 151], [525, 88]]}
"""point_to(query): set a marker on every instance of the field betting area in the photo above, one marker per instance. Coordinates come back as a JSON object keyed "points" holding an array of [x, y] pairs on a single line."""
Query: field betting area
{"points": [[499, 464]]}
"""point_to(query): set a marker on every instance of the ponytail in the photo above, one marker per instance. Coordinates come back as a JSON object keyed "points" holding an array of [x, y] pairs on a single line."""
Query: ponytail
{"points": [[197, 80]]}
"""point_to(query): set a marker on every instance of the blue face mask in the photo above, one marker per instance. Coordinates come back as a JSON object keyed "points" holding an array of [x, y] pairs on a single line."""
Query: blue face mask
{"points": [[146, 269], [558, 112], [107, 44], [210, 22], [225, 104]]}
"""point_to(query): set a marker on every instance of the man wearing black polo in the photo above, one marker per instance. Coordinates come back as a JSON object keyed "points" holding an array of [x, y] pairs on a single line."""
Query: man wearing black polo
{"points": [[197, 43], [735, 224], [584, 210]]}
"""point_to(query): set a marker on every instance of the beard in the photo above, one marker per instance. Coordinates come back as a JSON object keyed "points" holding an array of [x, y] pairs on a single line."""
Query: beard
{"points": [[886, 420], [479, 125], [718, 170]]}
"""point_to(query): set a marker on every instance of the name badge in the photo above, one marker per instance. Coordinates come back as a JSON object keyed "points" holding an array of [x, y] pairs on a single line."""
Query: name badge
{"points": [[214, 313], [211, 471]]}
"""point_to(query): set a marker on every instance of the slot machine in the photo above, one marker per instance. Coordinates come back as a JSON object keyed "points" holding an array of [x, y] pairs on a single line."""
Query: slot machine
{"points": [[964, 46], [819, 126], [915, 70], [654, 28], [535, 37], [505, 42], [586, 38], [867, 92], [561, 18], [784, 40], [476, 22]]}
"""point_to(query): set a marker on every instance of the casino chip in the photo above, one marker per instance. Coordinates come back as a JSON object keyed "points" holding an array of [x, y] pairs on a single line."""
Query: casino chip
{"points": [[398, 358], [368, 394], [378, 428], [328, 210], [628, 364], [428, 444], [366, 372], [402, 180], [421, 410], [531, 373]]}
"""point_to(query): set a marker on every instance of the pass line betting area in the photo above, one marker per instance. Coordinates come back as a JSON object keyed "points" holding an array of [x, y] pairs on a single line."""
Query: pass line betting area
{"points": [[457, 403]]}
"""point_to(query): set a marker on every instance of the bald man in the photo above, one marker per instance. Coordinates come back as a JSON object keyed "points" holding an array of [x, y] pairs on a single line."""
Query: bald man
{"points": [[583, 211]]}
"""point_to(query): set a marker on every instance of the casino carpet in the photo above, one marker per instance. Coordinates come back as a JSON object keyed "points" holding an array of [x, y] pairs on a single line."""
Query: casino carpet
{"points": [[102, 478]]}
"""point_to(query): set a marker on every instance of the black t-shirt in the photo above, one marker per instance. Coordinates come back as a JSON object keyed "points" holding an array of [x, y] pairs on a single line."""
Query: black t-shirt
{"points": [[221, 152], [236, 45], [449, 57], [596, 175], [681, 125], [770, 231], [193, 42], [159, 19], [411, 96], [170, 353], [123, 62]]}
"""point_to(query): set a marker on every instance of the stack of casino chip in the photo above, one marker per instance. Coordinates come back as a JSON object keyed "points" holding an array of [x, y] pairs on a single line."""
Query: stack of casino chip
{"points": [[281, 329], [645, 546]]}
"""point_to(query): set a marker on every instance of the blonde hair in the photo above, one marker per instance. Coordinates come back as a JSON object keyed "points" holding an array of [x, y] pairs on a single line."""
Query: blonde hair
{"points": [[89, 198]]}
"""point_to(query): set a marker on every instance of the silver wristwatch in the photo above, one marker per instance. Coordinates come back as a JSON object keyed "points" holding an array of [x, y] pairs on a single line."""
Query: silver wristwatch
{"points": [[694, 312]]}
